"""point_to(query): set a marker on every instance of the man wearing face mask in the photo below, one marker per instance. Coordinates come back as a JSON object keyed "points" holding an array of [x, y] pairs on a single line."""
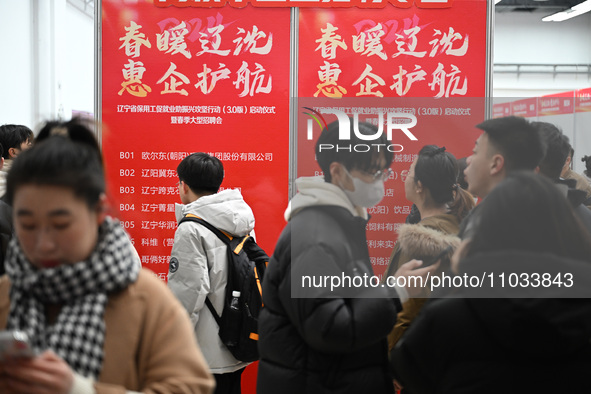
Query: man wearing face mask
{"points": [[323, 328]]}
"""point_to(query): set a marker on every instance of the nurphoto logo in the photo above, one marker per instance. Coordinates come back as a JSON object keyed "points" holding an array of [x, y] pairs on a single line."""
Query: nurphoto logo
{"points": [[394, 121]]}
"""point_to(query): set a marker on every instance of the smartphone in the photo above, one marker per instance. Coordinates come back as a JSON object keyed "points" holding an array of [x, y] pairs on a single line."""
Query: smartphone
{"points": [[15, 344], [444, 253]]}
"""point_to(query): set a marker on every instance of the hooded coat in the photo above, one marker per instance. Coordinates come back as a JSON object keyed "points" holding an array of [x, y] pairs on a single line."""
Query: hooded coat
{"points": [[317, 339], [486, 340], [421, 241], [199, 266]]}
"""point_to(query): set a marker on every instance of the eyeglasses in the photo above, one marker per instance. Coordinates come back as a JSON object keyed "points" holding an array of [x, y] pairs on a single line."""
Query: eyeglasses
{"points": [[381, 174]]}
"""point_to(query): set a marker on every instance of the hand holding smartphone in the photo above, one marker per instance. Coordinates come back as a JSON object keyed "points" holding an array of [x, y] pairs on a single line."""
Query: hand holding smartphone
{"points": [[15, 344]]}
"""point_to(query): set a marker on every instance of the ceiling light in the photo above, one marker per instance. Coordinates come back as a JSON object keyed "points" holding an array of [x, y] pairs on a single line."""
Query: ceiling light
{"points": [[570, 13]]}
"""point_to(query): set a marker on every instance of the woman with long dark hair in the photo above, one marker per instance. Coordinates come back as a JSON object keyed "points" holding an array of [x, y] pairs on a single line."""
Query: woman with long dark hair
{"points": [[431, 184]]}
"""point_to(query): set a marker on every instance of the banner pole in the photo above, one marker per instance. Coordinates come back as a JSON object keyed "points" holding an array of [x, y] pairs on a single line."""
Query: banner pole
{"points": [[98, 71], [293, 101], [490, 27]]}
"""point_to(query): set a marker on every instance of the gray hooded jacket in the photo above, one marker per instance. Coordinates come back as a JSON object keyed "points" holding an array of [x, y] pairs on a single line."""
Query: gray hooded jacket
{"points": [[199, 265]]}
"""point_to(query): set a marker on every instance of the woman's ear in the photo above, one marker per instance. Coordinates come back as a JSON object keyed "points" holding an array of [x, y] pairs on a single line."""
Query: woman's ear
{"points": [[102, 208], [418, 187]]}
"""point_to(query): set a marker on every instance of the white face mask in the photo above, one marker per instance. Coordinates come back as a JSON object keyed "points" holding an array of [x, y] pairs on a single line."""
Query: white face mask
{"points": [[365, 194]]}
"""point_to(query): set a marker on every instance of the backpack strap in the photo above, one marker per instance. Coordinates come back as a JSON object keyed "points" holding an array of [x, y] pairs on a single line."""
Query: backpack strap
{"points": [[223, 236], [212, 310]]}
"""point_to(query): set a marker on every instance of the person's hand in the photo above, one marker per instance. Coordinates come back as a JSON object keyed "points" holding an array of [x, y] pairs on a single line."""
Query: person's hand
{"points": [[44, 374], [416, 278], [3, 383]]}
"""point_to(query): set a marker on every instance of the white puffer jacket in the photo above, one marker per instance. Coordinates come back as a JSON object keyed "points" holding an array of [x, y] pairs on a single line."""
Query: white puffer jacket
{"points": [[199, 264]]}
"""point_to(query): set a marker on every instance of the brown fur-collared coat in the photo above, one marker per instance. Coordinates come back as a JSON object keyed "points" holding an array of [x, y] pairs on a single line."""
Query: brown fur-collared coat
{"points": [[420, 241]]}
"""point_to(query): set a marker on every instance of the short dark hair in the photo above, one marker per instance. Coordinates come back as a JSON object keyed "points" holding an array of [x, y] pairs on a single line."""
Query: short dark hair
{"points": [[557, 149], [352, 160], [201, 172], [517, 141], [13, 135], [59, 161], [527, 212]]}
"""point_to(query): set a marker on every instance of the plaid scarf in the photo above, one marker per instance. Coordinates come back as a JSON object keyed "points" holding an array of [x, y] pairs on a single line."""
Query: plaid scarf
{"points": [[82, 288]]}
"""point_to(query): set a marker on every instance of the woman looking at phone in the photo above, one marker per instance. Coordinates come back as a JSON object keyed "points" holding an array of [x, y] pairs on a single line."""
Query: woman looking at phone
{"points": [[97, 322]]}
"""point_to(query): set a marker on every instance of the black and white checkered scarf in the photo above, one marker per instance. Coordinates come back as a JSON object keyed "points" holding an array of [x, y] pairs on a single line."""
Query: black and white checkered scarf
{"points": [[78, 334]]}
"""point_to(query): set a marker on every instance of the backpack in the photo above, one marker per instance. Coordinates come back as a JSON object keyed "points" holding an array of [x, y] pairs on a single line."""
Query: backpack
{"points": [[238, 324]]}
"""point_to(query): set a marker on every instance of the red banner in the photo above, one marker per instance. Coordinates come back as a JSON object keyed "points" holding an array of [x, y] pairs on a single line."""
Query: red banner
{"points": [[556, 104], [181, 81], [501, 109], [527, 108], [398, 53], [583, 100], [419, 67], [307, 3]]}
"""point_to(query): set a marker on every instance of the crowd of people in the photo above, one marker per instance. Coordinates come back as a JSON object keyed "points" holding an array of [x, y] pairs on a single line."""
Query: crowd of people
{"points": [[513, 215]]}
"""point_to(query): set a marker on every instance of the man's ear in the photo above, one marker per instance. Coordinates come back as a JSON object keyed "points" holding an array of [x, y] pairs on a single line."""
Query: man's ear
{"points": [[1, 162], [497, 164], [102, 208], [12, 152], [185, 187], [336, 172]]}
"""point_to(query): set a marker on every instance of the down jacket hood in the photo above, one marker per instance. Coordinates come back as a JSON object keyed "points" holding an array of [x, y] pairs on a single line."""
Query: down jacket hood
{"points": [[315, 191], [226, 210]]}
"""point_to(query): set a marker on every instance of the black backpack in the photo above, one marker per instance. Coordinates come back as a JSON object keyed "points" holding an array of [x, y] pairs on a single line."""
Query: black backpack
{"points": [[238, 327]]}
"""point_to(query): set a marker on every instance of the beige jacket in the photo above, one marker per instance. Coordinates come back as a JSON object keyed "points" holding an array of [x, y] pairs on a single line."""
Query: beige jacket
{"points": [[3, 173], [582, 183], [149, 342]]}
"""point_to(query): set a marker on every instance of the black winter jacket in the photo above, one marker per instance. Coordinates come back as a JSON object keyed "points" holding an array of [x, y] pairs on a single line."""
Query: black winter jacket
{"points": [[503, 344], [6, 231], [327, 342]]}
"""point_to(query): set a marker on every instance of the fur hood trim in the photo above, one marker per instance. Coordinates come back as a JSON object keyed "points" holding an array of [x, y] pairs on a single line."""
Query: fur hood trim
{"points": [[417, 240]]}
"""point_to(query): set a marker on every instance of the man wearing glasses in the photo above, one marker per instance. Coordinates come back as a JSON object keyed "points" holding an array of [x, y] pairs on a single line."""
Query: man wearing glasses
{"points": [[325, 319]]}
